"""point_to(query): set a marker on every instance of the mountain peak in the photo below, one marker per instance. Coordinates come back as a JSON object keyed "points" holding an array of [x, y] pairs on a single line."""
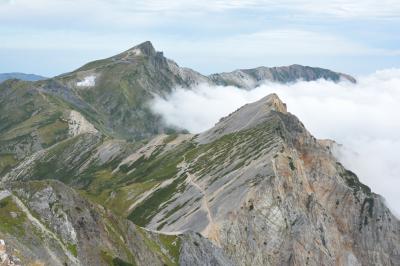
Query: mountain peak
{"points": [[145, 48], [248, 116], [274, 103]]}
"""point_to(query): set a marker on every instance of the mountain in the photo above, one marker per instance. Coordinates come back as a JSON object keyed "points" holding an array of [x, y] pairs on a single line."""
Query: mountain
{"points": [[90, 176], [113, 94], [21, 76], [116, 91], [250, 78]]}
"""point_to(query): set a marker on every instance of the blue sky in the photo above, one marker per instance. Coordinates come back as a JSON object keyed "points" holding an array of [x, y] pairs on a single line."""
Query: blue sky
{"points": [[49, 37]]}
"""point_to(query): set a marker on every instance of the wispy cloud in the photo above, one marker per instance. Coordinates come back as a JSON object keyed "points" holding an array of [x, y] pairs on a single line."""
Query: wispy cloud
{"points": [[363, 117], [367, 9], [338, 8], [271, 42], [209, 35], [284, 41]]}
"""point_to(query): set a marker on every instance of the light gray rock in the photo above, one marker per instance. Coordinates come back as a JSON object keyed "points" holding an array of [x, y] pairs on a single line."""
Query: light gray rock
{"points": [[197, 249]]}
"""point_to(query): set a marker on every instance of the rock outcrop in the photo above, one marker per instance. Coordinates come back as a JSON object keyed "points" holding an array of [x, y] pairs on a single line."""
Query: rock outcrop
{"points": [[5, 258], [77, 124]]}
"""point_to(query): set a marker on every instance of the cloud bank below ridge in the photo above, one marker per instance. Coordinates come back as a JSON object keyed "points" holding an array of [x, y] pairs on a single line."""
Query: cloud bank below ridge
{"points": [[364, 117]]}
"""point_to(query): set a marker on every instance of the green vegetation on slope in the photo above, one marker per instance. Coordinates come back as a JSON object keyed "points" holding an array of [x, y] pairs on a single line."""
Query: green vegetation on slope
{"points": [[12, 219], [30, 120]]}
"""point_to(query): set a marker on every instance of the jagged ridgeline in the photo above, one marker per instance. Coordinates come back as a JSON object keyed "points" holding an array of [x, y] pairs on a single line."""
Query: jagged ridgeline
{"points": [[90, 176]]}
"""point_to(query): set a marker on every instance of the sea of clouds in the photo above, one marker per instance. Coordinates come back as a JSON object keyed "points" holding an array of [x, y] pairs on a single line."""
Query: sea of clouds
{"points": [[364, 117]]}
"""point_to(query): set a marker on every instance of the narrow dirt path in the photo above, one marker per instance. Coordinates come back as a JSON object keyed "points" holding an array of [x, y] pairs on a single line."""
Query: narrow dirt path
{"points": [[211, 230], [205, 198], [191, 178], [168, 233]]}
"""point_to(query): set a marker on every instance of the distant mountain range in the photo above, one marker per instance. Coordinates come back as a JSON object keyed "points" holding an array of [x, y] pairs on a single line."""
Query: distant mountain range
{"points": [[89, 175], [21, 76]]}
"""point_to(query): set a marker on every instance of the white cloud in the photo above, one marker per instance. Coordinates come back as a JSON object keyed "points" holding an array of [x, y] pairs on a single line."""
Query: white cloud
{"points": [[271, 42], [366, 9], [335, 8], [254, 47], [364, 117], [127, 14], [278, 42], [232, 34]]}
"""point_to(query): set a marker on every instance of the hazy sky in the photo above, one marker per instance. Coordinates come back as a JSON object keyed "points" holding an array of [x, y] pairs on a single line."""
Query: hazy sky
{"points": [[49, 37]]}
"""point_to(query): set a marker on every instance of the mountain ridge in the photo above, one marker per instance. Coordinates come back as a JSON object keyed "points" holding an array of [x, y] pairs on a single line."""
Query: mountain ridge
{"points": [[253, 77], [20, 76]]}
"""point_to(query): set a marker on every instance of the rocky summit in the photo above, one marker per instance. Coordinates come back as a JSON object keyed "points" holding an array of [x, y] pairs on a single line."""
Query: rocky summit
{"points": [[91, 176]]}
